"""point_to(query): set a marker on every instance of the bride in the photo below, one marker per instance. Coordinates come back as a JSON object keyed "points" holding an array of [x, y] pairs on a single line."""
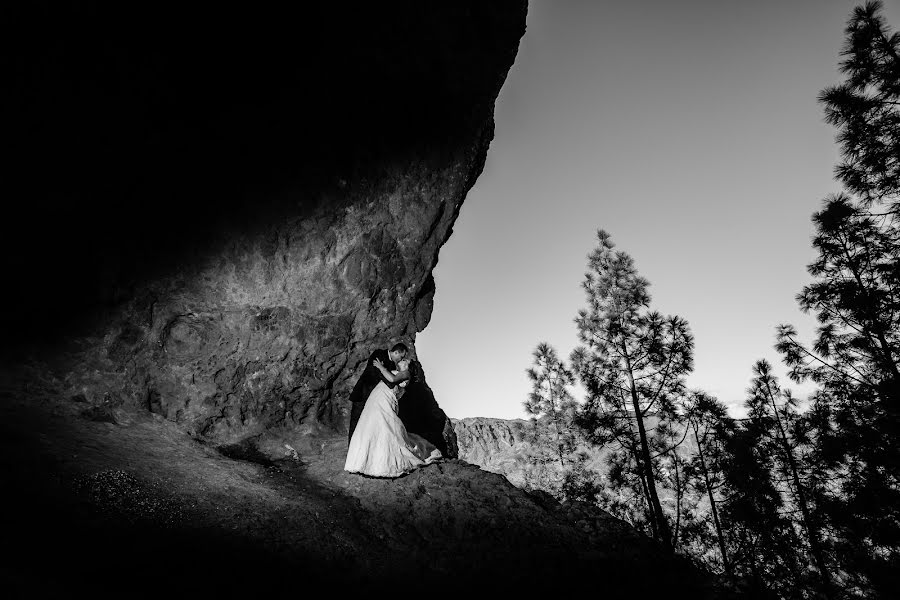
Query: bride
{"points": [[381, 446]]}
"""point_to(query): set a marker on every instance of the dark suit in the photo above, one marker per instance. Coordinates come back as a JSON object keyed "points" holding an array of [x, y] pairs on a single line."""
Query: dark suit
{"points": [[366, 383]]}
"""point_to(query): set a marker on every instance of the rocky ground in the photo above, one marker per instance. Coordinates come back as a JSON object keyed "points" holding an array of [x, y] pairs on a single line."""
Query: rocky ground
{"points": [[126, 504]]}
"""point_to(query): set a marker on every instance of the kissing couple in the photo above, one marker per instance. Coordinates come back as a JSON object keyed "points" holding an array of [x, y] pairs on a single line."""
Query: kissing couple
{"points": [[380, 445]]}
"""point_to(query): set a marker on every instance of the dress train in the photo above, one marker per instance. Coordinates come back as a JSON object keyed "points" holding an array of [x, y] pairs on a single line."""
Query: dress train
{"points": [[381, 446]]}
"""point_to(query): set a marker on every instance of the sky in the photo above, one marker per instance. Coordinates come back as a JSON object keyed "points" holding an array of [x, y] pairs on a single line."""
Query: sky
{"points": [[690, 131]]}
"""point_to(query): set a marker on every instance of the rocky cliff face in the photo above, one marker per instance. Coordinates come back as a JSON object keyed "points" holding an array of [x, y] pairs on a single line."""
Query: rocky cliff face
{"points": [[496, 445], [221, 214], [507, 447]]}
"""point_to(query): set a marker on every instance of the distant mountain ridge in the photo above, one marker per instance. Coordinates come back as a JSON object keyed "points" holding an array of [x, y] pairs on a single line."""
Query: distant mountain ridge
{"points": [[496, 445], [504, 446]]}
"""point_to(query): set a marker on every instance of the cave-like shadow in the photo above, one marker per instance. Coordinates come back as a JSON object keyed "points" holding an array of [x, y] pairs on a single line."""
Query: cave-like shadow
{"points": [[143, 135], [124, 535], [421, 414]]}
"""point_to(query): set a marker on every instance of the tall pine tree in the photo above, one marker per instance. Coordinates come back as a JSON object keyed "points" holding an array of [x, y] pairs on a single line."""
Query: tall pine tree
{"points": [[632, 362], [856, 299], [761, 536], [551, 399], [773, 412], [710, 426]]}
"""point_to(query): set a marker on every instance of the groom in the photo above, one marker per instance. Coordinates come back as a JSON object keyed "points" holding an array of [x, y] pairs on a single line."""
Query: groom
{"points": [[370, 378]]}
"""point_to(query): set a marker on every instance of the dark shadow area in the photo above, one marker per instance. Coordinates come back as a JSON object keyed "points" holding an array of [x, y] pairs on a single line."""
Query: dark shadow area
{"points": [[70, 560], [109, 533], [66, 558], [246, 450], [80, 526], [422, 415], [142, 135]]}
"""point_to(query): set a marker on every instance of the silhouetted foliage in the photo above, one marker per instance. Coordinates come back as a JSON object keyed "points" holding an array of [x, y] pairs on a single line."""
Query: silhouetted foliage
{"points": [[581, 482], [866, 109], [854, 422], [802, 498], [632, 362], [784, 470], [711, 426], [550, 398], [762, 540]]}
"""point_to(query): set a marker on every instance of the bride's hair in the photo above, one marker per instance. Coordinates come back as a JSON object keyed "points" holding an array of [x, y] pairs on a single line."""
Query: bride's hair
{"points": [[415, 372]]}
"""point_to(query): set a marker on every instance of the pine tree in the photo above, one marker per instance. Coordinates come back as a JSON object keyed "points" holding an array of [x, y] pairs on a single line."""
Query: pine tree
{"points": [[711, 426], [866, 109], [632, 362], [551, 399], [762, 540], [855, 418], [773, 411], [673, 466], [581, 482], [853, 361]]}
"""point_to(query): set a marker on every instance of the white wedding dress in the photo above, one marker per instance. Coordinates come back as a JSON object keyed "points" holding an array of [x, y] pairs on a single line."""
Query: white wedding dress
{"points": [[381, 446]]}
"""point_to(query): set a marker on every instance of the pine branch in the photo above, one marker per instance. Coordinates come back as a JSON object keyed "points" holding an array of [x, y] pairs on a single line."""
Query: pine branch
{"points": [[816, 358]]}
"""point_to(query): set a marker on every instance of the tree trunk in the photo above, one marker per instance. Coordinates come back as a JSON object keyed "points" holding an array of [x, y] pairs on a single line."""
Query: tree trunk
{"points": [[555, 420], [661, 525], [811, 531], [559, 450], [678, 497], [712, 503], [648, 504]]}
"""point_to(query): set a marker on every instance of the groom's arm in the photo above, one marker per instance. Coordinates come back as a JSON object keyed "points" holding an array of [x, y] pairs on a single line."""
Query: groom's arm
{"points": [[376, 373], [371, 375]]}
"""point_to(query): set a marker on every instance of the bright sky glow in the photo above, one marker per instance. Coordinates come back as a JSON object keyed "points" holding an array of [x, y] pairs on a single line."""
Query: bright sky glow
{"points": [[690, 131]]}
